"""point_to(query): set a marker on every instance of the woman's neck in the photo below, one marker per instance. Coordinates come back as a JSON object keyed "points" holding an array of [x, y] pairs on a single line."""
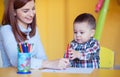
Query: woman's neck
{"points": [[25, 26]]}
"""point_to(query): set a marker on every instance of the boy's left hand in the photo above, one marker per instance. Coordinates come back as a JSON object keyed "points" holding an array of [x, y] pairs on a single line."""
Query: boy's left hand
{"points": [[73, 54]]}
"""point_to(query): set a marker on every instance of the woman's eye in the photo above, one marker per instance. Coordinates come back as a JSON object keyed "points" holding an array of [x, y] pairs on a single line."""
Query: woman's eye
{"points": [[33, 8], [25, 11]]}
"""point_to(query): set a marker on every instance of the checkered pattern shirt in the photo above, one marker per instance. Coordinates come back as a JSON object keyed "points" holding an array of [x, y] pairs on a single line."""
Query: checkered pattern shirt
{"points": [[90, 54]]}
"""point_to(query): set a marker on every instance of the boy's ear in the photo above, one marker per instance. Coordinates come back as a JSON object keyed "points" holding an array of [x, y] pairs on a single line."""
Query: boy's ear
{"points": [[92, 33]]}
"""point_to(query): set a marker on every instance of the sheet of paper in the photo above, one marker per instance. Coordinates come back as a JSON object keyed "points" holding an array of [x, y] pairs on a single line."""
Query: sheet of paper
{"points": [[71, 70]]}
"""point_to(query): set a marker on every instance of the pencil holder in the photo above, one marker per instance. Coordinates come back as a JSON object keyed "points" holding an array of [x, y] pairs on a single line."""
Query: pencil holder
{"points": [[24, 62]]}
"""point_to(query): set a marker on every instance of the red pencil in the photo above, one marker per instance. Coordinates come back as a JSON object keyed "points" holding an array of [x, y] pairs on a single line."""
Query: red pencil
{"points": [[67, 51]]}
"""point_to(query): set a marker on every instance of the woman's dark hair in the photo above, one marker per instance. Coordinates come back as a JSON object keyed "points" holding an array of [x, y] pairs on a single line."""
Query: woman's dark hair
{"points": [[86, 17], [10, 18]]}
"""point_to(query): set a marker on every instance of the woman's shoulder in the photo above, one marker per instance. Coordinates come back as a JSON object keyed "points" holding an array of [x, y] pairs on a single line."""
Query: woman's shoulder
{"points": [[5, 28], [6, 32]]}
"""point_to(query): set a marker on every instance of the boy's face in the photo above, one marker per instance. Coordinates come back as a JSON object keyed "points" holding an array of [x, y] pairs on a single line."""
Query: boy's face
{"points": [[82, 32]]}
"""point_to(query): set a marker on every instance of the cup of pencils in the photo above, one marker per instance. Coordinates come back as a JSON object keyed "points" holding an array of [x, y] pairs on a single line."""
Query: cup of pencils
{"points": [[24, 58]]}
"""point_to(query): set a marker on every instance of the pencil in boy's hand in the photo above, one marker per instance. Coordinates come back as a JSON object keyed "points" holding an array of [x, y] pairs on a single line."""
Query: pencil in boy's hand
{"points": [[67, 51]]}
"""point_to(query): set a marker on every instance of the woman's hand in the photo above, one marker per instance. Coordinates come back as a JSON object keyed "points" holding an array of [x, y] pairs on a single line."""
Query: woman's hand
{"points": [[63, 63], [56, 64]]}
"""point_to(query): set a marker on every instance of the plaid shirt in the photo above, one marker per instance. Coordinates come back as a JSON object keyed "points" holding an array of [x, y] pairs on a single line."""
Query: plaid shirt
{"points": [[90, 54]]}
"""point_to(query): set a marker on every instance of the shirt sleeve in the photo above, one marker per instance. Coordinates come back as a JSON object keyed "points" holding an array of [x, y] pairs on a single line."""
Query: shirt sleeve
{"points": [[39, 56], [92, 52], [9, 45]]}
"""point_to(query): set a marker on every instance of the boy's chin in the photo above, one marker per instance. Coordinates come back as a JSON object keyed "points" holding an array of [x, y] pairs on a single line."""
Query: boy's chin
{"points": [[80, 42]]}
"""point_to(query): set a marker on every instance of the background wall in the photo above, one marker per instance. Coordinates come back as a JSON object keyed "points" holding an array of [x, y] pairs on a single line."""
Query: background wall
{"points": [[55, 19], [111, 32], [51, 22], [1, 9]]}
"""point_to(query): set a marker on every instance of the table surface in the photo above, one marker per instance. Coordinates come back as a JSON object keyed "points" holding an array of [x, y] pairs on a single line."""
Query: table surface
{"points": [[11, 72]]}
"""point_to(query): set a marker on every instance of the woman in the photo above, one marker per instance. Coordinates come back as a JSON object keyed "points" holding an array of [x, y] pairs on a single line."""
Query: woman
{"points": [[18, 25]]}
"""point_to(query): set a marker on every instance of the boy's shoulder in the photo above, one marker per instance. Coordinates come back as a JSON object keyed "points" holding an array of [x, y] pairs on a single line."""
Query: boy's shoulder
{"points": [[94, 39]]}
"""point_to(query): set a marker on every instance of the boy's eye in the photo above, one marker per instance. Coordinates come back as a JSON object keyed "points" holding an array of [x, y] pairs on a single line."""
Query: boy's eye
{"points": [[75, 32], [81, 32]]}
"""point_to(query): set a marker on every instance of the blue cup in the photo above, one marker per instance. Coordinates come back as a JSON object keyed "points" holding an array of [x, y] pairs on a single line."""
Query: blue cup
{"points": [[24, 62]]}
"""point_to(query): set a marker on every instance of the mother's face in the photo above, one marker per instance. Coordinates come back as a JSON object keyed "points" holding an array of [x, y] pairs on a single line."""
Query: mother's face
{"points": [[25, 14]]}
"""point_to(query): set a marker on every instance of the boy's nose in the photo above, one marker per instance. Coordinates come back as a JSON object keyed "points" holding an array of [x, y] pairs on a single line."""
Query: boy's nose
{"points": [[78, 34]]}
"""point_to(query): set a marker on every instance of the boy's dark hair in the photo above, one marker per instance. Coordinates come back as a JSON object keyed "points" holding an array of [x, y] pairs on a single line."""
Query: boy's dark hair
{"points": [[86, 17]]}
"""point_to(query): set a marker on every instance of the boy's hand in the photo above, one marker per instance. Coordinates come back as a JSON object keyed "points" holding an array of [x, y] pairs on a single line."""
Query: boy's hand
{"points": [[73, 54]]}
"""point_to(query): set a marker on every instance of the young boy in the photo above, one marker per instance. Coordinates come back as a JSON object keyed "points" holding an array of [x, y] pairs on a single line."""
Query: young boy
{"points": [[84, 49]]}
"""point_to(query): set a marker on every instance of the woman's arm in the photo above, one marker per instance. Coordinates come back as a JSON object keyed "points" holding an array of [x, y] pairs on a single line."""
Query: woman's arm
{"points": [[38, 54], [40, 59], [9, 45]]}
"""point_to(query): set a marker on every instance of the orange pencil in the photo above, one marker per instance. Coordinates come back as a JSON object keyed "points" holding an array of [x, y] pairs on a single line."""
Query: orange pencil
{"points": [[20, 47]]}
